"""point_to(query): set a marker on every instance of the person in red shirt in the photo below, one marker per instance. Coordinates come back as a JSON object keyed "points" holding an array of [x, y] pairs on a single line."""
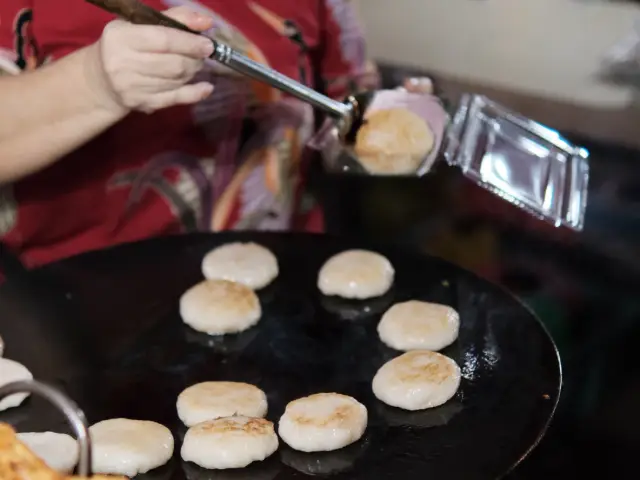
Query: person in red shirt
{"points": [[112, 132]]}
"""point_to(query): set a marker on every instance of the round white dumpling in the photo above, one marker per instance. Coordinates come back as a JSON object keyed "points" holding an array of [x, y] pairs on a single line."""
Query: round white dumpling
{"points": [[417, 380], [356, 274], [210, 400], [416, 325], [11, 371], [129, 447], [322, 422], [217, 307], [393, 141], [57, 450], [248, 263], [230, 442]]}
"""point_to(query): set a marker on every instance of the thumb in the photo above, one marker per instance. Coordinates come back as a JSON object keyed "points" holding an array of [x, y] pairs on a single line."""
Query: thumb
{"points": [[192, 19], [419, 85]]}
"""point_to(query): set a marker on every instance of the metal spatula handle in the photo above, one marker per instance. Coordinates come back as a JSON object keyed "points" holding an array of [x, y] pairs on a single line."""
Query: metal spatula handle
{"points": [[250, 68], [137, 12]]}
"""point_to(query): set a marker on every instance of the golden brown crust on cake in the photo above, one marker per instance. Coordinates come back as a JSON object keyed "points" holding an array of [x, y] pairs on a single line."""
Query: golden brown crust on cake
{"points": [[393, 141]]}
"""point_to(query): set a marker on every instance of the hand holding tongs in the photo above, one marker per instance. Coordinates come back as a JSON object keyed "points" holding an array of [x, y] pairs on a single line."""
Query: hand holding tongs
{"points": [[347, 114]]}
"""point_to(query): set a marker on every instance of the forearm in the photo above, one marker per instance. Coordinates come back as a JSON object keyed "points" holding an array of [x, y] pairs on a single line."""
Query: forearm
{"points": [[50, 112]]}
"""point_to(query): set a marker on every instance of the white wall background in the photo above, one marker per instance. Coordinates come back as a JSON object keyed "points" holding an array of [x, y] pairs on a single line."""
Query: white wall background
{"points": [[546, 48]]}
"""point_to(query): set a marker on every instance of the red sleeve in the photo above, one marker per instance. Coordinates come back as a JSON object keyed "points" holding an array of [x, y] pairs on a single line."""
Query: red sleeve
{"points": [[344, 66], [18, 47]]}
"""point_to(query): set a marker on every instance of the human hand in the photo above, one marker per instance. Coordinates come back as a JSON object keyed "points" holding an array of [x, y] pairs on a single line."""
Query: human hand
{"points": [[419, 85], [147, 68]]}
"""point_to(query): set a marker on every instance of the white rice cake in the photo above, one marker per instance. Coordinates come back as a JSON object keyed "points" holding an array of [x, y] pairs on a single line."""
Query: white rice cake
{"points": [[416, 325], [417, 380], [129, 447], [322, 422], [210, 400], [217, 307], [58, 450], [230, 442], [11, 371], [356, 274], [247, 263]]}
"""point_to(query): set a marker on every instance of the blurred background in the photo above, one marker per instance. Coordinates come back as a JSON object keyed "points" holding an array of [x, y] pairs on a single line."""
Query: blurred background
{"points": [[542, 58]]}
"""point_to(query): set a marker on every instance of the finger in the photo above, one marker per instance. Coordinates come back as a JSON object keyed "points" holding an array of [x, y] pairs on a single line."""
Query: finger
{"points": [[185, 95], [168, 66], [154, 39], [191, 18], [419, 85], [152, 85]]}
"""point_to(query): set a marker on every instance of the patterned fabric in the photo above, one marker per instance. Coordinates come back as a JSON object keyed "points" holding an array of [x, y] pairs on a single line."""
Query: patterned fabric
{"points": [[231, 161]]}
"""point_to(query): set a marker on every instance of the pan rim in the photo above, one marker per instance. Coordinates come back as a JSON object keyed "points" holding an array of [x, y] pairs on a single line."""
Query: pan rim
{"points": [[203, 237]]}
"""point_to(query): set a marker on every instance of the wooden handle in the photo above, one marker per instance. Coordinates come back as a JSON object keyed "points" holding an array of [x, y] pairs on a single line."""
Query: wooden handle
{"points": [[137, 12]]}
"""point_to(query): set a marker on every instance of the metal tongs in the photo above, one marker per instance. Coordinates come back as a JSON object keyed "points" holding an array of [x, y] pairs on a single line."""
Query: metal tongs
{"points": [[74, 415], [347, 114]]}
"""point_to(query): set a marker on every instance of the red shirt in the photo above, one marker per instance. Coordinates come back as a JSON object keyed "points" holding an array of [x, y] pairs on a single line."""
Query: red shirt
{"points": [[232, 161]]}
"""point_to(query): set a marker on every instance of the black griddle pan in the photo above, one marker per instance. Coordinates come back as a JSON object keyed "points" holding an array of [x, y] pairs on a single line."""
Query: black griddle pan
{"points": [[104, 327]]}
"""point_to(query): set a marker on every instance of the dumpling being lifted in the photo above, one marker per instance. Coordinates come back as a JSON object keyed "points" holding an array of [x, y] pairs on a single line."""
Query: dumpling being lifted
{"points": [[393, 141]]}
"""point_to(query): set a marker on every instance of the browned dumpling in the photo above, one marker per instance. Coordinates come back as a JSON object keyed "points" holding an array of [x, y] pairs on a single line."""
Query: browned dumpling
{"points": [[417, 380], [393, 141], [323, 422], [218, 307], [229, 442]]}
